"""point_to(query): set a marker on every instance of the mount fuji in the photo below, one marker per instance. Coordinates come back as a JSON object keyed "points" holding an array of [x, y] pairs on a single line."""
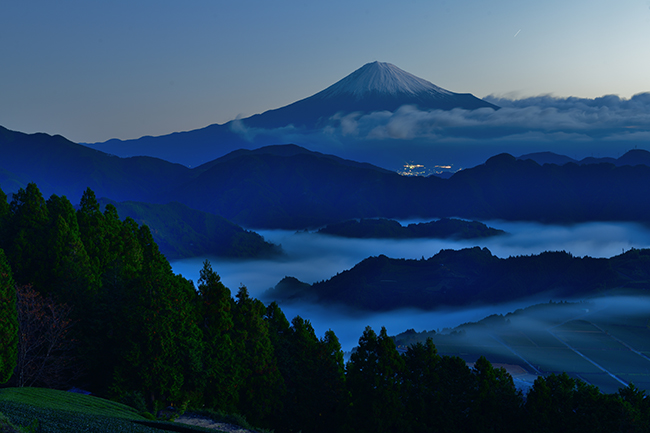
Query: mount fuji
{"points": [[375, 87]]}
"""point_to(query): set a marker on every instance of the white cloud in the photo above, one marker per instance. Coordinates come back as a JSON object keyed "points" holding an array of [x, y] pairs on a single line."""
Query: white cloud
{"points": [[578, 127]]}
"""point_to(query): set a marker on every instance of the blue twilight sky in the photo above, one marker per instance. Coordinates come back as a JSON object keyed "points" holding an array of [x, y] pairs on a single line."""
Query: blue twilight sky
{"points": [[92, 70]]}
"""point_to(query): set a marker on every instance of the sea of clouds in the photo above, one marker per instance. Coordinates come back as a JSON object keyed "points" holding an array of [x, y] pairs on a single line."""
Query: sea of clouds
{"points": [[311, 257], [577, 127]]}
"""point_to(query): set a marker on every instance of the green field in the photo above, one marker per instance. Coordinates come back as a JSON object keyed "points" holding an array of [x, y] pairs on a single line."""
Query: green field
{"points": [[599, 343], [51, 411]]}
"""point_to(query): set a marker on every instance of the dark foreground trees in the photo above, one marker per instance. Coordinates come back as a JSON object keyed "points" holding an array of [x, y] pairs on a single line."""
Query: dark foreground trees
{"points": [[132, 330], [8, 319]]}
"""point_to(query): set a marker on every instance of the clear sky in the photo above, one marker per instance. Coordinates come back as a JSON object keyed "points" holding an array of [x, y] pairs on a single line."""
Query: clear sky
{"points": [[93, 70]]}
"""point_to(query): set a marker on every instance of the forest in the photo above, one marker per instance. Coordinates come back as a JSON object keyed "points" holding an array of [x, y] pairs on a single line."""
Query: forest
{"points": [[378, 228], [469, 276], [87, 300]]}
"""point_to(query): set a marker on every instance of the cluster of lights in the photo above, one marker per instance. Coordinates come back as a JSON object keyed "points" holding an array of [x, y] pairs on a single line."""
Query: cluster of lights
{"points": [[413, 169]]}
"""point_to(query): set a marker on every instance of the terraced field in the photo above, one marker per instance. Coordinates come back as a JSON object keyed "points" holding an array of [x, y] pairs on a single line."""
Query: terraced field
{"points": [[604, 343]]}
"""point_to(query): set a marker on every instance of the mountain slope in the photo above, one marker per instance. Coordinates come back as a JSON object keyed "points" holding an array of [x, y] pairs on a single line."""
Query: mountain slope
{"points": [[258, 189], [181, 232], [293, 188], [632, 157], [309, 190], [373, 87], [468, 277], [59, 166], [381, 228]]}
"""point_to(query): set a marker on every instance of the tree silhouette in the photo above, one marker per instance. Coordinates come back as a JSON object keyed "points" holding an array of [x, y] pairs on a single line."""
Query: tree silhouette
{"points": [[8, 321]]}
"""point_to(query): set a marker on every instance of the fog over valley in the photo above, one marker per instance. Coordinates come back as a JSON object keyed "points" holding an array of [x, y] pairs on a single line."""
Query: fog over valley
{"points": [[312, 257], [207, 222]]}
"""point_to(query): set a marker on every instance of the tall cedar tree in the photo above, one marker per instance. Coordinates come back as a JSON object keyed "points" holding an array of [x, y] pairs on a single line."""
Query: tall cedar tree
{"points": [[163, 351], [497, 405], [25, 233], [93, 230], [455, 394], [421, 387], [110, 317], [8, 321], [334, 400], [374, 379], [71, 274], [220, 368], [315, 385], [313, 374], [279, 333], [262, 382]]}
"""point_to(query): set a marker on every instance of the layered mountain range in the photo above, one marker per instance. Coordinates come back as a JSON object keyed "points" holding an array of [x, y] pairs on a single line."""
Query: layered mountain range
{"points": [[293, 188], [470, 276]]}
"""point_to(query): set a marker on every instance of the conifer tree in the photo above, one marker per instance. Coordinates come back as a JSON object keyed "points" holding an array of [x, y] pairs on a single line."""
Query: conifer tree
{"points": [[26, 230], [114, 312], [456, 391], [71, 274], [421, 386], [332, 393], [163, 350], [222, 377], [93, 232], [301, 377], [261, 380], [497, 404], [8, 321], [374, 376], [316, 386]]}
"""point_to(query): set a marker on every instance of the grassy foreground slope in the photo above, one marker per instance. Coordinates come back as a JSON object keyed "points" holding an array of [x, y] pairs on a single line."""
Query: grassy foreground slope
{"points": [[60, 411]]}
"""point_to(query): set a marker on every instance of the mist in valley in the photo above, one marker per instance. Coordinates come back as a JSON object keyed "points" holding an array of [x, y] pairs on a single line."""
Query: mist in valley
{"points": [[312, 257]]}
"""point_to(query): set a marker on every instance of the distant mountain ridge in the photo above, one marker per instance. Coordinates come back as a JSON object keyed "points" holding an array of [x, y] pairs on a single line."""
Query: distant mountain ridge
{"points": [[632, 157], [373, 87], [381, 228], [292, 188], [471, 276]]}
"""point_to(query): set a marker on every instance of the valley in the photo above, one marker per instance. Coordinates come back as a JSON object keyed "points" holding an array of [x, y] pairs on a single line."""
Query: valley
{"points": [[368, 217], [312, 258]]}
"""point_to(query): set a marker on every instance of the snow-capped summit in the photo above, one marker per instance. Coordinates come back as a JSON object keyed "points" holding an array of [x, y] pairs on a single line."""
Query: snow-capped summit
{"points": [[374, 87], [379, 77]]}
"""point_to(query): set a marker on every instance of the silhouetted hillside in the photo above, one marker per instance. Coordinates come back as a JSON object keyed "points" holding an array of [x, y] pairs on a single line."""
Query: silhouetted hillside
{"points": [[470, 276], [62, 167], [309, 190], [183, 232], [297, 191], [382, 228], [632, 157], [293, 188]]}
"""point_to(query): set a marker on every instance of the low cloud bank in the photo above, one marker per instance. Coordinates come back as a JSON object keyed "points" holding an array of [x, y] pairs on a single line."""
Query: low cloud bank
{"points": [[312, 257], [580, 127]]}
